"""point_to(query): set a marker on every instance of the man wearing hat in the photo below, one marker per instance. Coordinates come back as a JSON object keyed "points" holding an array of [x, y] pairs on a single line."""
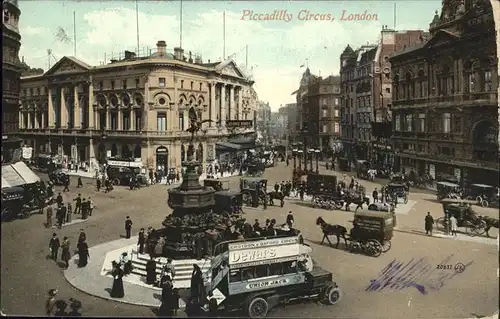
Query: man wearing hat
{"points": [[50, 304], [54, 245], [289, 219]]}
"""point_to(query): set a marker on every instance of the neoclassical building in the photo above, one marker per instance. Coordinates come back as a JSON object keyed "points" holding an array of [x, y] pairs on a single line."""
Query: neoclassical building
{"points": [[445, 109], [136, 107], [11, 69]]}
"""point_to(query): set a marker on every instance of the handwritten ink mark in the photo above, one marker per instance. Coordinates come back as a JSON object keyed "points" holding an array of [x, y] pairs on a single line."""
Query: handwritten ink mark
{"points": [[459, 268]]}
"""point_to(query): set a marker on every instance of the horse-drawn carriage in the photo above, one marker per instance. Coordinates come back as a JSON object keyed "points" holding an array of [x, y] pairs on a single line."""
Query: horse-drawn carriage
{"points": [[466, 217], [228, 203], [447, 190], [362, 169], [254, 191], [255, 169], [371, 233], [58, 177], [216, 184], [485, 195], [323, 189], [394, 191], [13, 204]]}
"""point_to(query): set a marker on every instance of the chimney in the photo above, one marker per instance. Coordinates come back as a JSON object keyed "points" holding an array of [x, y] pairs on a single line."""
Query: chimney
{"points": [[161, 48], [129, 55], [190, 57], [178, 53]]}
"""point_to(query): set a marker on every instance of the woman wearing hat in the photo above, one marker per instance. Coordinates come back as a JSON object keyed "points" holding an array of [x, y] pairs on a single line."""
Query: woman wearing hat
{"points": [[65, 254], [117, 289], [50, 304]]}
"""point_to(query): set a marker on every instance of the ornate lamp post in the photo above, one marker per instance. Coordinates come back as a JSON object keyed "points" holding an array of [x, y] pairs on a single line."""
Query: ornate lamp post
{"points": [[294, 154], [300, 159], [311, 152], [318, 152]]}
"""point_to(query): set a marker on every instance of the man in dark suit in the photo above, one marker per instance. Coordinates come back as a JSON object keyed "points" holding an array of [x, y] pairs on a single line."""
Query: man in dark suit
{"points": [[289, 219], [141, 241], [54, 245], [78, 204], [128, 226]]}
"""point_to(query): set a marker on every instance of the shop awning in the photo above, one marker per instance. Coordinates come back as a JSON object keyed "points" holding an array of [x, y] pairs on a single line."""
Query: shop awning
{"points": [[26, 173], [227, 145], [12, 178], [5, 184]]}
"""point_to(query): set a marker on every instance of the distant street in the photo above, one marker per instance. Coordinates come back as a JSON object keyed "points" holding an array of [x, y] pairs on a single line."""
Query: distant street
{"points": [[27, 275]]}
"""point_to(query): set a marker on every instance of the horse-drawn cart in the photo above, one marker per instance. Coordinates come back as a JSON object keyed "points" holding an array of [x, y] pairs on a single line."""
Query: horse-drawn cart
{"points": [[466, 217], [371, 233], [485, 195], [396, 191], [254, 191]]}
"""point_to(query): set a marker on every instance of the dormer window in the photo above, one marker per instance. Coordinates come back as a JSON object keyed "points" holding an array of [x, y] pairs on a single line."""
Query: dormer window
{"points": [[6, 15]]}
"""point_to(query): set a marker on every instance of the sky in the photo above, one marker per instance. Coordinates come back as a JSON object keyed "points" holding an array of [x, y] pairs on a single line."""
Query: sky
{"points": [[276, 48]]}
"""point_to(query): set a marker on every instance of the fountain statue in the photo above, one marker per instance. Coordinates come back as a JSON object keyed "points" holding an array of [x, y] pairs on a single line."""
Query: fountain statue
{"points": [[192, 220]]}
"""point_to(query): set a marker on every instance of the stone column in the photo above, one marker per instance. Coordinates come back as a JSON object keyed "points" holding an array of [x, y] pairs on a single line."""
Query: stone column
{"points": [[211, 106], [239, 111], [36, 120], [120, 119], [21, 122], [132, 120], [76, 109], [42, 124], [230, 106], [64, 110], [29, 120], [51, 109], [91, 106], [222, 114], [108, 118]]}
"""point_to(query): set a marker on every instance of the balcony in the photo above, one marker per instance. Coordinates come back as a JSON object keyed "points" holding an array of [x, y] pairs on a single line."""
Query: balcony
{"points": [[448, 100]]}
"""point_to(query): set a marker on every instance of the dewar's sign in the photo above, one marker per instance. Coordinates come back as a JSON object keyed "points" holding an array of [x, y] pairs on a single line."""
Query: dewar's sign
{"points": [[262, 251]]}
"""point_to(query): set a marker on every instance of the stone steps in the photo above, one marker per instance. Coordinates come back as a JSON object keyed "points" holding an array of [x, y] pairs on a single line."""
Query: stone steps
{"points": [[183, 268]]}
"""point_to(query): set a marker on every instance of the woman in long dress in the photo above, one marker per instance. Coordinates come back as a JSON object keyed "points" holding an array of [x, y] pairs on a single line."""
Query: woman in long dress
{"points": [[159, 246], [83, 254], [151, 271], [117, 289], [65, 254]]}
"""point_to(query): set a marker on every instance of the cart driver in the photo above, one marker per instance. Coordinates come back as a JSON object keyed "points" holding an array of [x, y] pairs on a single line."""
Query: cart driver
{"points": [[354, 229]]}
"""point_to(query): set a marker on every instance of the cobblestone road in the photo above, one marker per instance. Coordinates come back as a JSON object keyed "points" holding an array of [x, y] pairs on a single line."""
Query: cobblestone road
{"points": [[27, 275]]}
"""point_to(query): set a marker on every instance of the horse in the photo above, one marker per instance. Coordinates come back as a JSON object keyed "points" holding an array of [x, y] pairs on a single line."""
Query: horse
{"points": [[358, 200], [490, 222], [276, 195], [331, 230]]}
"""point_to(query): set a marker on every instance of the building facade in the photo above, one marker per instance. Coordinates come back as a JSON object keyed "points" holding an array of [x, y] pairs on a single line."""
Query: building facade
{"points": [[322, 108], [366, 94], [11, 69], [136, 107], [445, 109], [264, 122]]}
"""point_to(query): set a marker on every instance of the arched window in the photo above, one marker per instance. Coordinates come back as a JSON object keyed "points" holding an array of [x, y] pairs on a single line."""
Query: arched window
{"points": [[421, 84], [468, 77], [409, 86], [395, 85]]}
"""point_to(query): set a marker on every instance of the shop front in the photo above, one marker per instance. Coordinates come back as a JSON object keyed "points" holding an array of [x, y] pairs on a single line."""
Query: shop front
{"points": [[162, 159]]}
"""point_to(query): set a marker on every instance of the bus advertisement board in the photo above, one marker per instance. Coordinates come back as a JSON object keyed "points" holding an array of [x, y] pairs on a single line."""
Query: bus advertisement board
{"points": [[262, 255]]}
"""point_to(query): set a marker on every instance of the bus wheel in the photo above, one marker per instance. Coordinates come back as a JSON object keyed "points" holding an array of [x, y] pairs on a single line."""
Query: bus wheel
{"points": [[333, 295], [258, 308]]}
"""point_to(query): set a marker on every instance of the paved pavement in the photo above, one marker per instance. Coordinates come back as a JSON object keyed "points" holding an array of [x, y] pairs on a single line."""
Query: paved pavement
{"points": [[26, 275], [95, 278]]}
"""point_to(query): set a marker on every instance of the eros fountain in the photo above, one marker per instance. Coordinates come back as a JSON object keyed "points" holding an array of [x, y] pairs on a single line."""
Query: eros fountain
{"points": [[192, 228]]}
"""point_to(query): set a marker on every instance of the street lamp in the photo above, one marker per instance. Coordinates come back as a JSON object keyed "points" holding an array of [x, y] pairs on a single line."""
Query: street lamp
{"points": [[317, 151], [300, 159], [311, 152], [294, 154]]}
